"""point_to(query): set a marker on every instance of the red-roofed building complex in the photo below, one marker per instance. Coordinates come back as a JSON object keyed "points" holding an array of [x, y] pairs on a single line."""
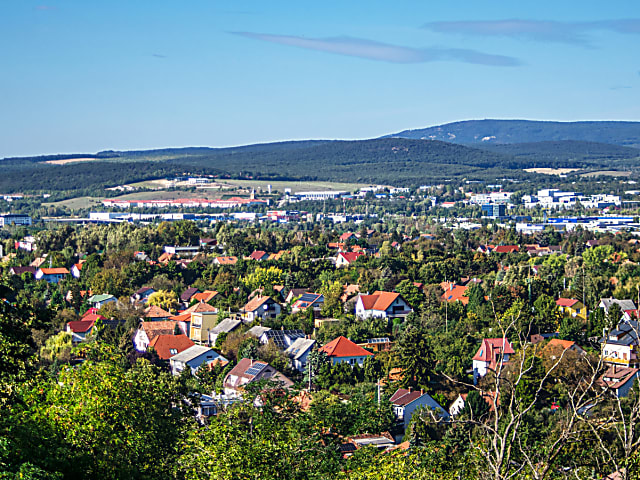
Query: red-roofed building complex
{"points": [[344, 350], [492, 352]]}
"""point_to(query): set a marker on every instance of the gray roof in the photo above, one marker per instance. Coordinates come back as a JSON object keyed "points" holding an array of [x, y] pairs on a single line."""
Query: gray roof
{"points": [[299, 347], [624, 304], [194, 352], [227, 325], [257, 331], [626, 334]]}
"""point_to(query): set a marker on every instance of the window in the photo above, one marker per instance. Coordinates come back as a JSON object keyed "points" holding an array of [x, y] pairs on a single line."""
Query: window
{"points": [[173, 351]]}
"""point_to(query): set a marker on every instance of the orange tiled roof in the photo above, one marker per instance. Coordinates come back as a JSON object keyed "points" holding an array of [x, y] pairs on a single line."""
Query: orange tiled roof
{"points": [[153, 311], [205, 296], [54, 271], [343, 347], [163, 344]]}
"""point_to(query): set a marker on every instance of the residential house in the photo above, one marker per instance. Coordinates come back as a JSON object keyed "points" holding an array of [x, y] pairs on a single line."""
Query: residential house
{"points": [[142, 295], [259, 308], [225, 260], [299, 351], [257, 331], [459, 403], [227, 325], [572, 307], [38, 262], [314, 301], [51, 275], [343, 350], [557, 347], [382, 344], [154, 313], [406, 401], [207, 296], [625, 305], [193, 357], [382, 441], [281, 338], [259, 255], [383, 305], [166, 346], [201, 324], [492, 353], [345, 259], [188, 294], [349, 291], [147, 331], [21, 270], [620, 346], [619, 380], [76, 270], [455, 293], [99, 301], [80, 330], [293, 294], [247, 371]]}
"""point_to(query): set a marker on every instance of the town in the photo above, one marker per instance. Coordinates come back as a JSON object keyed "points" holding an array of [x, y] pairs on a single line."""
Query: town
{"points": [[361, 343]]}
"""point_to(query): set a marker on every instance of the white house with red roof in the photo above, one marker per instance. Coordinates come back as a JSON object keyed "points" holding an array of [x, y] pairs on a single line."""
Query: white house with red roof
{"points": [[51, 275], [382, 304], [406, 401], [76, 270], [343, 350], [345, 259], [492, 353], [81, 329]]}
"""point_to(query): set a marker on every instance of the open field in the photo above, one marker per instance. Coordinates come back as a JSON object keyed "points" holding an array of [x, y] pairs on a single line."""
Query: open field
{"points": [[77, 203], [607, 173], [551, 171], [64, 161]]}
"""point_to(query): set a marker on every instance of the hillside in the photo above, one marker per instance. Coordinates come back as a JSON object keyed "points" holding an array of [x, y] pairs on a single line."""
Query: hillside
{"points": [[526, 131]]}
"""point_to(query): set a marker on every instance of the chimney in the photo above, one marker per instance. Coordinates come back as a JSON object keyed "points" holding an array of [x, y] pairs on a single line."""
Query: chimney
{"points": [[421, 392], [410, 389]]}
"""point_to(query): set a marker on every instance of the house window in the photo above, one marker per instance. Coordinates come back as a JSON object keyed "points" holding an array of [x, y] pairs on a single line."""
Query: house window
{"points": [[173, 351]]}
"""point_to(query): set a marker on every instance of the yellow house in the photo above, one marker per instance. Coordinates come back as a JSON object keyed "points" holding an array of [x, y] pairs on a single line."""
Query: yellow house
{"points": [[201, 323], [572, 307]]}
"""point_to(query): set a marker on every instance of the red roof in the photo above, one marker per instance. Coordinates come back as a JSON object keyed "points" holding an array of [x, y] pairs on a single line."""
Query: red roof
{"points": [[164, 344], [54, 271], [456, 293], [154, 311], [81, 326], [258, 255], [379, 300], [351, 256], [347, 236], [255, 303], [92, 317], [405, 397], [566, 302], [506, 248], [343, 347], [491, 349]]}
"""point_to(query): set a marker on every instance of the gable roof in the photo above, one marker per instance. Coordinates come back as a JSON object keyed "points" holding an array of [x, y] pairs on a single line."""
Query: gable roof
{"points": [[350, 256], [343, 347], [21, 270], [281, 337], [153, 329], [566, 302], [379, 300], [225, 326], [257, 330], [299, 347], [258, 255], [54, 271], [308, 299], [81, 326], [198, 308], [256, 302], [226, 260], [163, 344], [506, 248], [491, 349], [100, 298], [194, 352], [188, 293], [456, 293], [154, 311], [205, 296], [403, 396]]}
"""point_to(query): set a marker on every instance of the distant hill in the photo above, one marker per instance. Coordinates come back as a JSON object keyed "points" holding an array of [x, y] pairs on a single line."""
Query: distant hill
{"points": [[526, 131], [562, 153]]}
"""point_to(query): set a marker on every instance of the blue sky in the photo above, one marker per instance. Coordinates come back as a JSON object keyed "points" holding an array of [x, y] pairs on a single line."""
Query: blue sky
{"points": [[80, 76]]}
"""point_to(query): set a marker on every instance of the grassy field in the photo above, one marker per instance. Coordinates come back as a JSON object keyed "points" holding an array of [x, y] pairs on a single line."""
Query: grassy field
{"points": [[77, 203], [607, 173], [551, 171]]}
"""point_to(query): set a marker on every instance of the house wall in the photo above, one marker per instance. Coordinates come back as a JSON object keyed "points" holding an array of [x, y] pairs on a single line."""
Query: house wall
{"points": [[618, 354], [424, 401], [479, 369], [457, 406], [141, 340], [349, 360]]}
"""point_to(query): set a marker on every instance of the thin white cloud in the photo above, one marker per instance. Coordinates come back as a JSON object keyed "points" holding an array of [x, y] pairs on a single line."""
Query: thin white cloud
{"points": [[576, 33], [370, 50]]}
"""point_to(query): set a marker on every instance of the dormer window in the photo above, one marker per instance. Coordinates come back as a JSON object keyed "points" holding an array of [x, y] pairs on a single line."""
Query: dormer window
{"points": [[173, 351]]}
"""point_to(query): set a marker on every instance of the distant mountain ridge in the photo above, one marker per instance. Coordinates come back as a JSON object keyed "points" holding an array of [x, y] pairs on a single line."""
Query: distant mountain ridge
{"points": [[473, 132]]}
